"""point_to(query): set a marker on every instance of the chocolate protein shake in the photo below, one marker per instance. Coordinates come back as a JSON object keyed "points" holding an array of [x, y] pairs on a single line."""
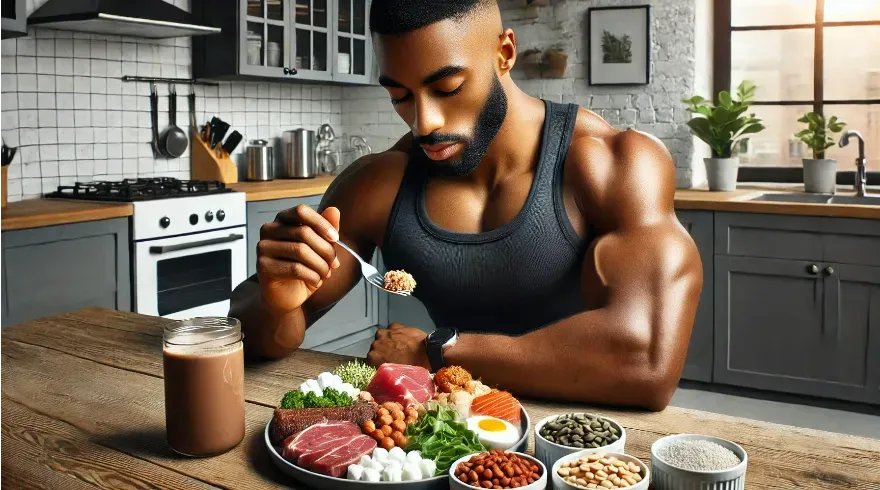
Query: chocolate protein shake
{"points": [[204, 385]]}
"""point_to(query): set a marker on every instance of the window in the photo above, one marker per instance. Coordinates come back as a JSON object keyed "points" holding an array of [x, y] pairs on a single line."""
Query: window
{"points": [[804, 55]]}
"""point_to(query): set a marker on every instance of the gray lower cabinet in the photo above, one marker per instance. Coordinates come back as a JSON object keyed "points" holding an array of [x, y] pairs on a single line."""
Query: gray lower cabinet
{"points": [[698, 366], [57, 269], [353, 319], [798, 326]]}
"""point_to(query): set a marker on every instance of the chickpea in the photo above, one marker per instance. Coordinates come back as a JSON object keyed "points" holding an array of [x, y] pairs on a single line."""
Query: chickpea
{"points": [[378, 435], [398, 425], [385, 420], [387, 430], [399, 439], [369, 427], [386, 443], [383, 411], [398, 415]]}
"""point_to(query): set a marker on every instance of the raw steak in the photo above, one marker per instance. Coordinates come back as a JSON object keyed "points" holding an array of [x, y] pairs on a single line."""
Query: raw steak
{"points": [[318, 437], [334, 462], [328, 448], [401, 383]]}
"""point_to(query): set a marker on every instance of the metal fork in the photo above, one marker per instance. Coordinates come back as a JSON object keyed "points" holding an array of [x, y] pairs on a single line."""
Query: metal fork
{"points": [[370, 273]]}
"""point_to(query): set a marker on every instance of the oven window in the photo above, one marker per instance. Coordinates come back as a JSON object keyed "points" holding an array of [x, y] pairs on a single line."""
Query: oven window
{"points": [[194, 280]]}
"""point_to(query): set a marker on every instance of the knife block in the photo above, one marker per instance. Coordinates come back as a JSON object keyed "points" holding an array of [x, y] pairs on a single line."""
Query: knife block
{"points": [[5, 185], [208, 165]]}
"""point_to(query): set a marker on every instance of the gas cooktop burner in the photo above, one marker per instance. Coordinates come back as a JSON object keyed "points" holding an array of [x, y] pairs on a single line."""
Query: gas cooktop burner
{"points": [[131, 190]]}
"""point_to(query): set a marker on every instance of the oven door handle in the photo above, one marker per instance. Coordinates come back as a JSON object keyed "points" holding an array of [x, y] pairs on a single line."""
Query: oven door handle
{"points": [[201, 243]]}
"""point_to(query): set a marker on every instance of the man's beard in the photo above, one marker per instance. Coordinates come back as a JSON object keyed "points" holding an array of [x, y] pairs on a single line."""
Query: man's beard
{"points": [[488, 124]]}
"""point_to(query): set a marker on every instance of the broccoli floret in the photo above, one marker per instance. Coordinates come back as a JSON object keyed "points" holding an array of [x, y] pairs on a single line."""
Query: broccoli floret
{"points": [[293, 399], [337, 398]]}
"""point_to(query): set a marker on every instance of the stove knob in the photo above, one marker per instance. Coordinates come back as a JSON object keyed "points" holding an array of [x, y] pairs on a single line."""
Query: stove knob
{"points": [[221, 215], [209, 216], [165, 222], [193, 219]]}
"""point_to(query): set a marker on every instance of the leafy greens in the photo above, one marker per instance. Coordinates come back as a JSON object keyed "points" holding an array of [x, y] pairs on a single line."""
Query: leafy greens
{"points": [[439, 436], [331, 398]]}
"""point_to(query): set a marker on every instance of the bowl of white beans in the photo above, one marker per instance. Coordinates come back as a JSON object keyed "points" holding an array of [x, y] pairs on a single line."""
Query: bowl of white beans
{"points": [[686, 461]]}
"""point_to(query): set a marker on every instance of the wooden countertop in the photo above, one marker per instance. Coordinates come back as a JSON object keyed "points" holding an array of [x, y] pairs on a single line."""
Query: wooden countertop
{"points": [[739, 201], [283, 188], [82, 402], [33, 213]]}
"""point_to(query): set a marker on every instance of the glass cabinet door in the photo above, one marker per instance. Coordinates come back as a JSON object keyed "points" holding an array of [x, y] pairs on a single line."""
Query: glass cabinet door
{"points": [[311, 43], [353, 49], [265, 45]]}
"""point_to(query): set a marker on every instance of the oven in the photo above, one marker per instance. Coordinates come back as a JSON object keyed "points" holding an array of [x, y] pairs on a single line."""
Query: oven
{"points": [[189, 275]]}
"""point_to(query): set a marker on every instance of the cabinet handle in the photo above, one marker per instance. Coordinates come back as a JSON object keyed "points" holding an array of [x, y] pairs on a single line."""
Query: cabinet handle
{"points": [[813, 269], [829, 271], [289, 71]]}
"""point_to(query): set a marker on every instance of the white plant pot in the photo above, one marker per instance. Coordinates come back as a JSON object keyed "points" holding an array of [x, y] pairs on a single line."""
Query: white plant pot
{"points": [[721, 173], [820, 176]]}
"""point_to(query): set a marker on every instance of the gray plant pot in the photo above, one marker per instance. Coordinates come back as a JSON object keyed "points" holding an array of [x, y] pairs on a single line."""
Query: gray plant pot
{"points": [[721, 173], [820, 176]]}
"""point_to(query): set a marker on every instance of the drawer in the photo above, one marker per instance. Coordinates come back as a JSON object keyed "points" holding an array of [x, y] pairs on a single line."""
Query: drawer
{"points": [[840, 240]]}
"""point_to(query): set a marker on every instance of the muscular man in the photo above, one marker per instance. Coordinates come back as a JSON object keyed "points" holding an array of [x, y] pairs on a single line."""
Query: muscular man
{"points": [[546, 237]]}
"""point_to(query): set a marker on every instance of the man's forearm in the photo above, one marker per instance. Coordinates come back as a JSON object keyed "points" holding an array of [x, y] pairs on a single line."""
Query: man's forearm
{"points": [[268, 332], [586, 357]]}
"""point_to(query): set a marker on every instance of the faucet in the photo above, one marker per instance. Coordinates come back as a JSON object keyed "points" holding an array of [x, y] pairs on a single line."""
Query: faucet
{"points": [[326, 133], [861, 178], [360, 143]]}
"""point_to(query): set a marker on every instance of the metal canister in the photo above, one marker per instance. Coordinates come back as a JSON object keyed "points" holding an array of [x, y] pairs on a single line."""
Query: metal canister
{"points": [[299, 154], [260, 164]]}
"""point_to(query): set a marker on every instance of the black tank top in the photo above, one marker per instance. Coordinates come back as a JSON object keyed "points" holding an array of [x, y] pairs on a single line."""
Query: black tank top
{"points": [[518, 277]]}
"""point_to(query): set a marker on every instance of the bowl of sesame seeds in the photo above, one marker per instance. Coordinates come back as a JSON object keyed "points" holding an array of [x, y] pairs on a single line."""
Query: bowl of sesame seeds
{"points": [[693, 461]]}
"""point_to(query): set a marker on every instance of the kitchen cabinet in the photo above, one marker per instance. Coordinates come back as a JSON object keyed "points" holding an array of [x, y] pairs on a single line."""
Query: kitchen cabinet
{"points": [[353, 318], [14, 16], [305, 40], [698, 365], [798, 326], [61, 268]]}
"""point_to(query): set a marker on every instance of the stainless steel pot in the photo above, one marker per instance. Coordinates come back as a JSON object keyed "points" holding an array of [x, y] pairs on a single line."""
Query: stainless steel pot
{"points": [[260, 164], [299, 154]]}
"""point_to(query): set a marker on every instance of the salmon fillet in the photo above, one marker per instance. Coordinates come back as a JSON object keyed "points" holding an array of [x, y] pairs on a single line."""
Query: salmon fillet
{"points": [[500, 404]]}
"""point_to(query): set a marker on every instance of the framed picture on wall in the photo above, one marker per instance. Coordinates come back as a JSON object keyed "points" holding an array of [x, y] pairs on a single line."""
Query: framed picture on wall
{"points": [[620, 45]]}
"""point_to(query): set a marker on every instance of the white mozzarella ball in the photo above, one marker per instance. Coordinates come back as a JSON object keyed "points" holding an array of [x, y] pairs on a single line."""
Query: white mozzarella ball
{"points": [[371, 475], [365, 461], [397, 454], [413, 457], [380, 454], [391, 473], [326, 380], [349, 389], [393, 463], [411, 471], [428, 467], [355, 472]]}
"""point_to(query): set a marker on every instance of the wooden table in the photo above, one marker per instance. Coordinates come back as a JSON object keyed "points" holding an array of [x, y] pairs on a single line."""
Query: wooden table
{"points": [[82, 407]]}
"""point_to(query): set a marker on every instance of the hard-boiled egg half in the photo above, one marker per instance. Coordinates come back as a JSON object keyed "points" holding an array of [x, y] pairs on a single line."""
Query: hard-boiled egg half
{"points": [[493, 432]]}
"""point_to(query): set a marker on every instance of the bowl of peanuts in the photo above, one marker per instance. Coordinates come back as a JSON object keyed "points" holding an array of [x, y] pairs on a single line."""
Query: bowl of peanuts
{"points": [[586, 469], [497, 469]]}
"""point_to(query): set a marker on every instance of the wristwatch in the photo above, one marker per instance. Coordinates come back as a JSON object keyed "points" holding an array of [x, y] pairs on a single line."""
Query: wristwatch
{"points": [[436, 342]]}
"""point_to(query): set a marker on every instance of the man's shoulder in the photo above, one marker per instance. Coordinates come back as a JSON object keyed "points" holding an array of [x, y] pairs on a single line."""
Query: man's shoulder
{"points": [[609, 165]]}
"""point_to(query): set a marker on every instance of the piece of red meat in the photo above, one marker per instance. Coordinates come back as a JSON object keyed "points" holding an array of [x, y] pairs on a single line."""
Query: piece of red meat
{"points": [[401, 383], [318, 437], [335, 461]]}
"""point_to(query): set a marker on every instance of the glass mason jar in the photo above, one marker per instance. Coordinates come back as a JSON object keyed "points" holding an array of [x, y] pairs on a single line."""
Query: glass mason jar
{"points": [[203, 363]]}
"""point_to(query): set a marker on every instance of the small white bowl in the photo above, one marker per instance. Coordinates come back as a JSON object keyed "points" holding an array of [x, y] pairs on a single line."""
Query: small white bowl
{"points": [[668, 477], [560, 484], [548, 452], [539, 484]]}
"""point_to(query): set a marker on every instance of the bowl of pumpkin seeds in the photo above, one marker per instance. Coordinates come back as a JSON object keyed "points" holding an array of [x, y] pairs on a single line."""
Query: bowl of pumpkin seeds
{"points": [[560, 435]]}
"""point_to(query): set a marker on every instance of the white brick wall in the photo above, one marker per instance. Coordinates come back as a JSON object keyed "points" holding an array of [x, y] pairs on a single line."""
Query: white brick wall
{"points": [[653, 108], [73, 119]]}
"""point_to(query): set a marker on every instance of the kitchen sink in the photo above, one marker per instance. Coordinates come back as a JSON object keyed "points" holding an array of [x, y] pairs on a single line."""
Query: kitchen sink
{"points": [[805, 198], [819, 199], [864, 200]]}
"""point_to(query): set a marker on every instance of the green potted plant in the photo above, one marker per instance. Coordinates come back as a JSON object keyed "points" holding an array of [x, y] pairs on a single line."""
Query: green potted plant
{"points": [[820, 174], [721, 126]]}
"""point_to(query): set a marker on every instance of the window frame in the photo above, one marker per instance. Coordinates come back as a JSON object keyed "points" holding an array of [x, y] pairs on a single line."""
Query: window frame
{"points": [[721, 74]]}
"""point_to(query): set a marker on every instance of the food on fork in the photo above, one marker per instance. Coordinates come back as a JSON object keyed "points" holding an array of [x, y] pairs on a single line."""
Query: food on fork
{"points": [[400, 281]]}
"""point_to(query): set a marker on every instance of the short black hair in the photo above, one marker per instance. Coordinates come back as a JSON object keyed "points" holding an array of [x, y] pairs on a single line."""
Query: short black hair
{"points": [[399, 16]]}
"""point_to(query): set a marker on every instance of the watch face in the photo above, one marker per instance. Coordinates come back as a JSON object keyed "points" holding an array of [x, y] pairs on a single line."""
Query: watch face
{"points": [[441, 336]]}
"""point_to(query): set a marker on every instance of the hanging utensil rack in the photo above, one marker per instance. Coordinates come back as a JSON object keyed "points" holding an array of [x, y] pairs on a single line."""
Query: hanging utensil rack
{"points": [[181, 81]]}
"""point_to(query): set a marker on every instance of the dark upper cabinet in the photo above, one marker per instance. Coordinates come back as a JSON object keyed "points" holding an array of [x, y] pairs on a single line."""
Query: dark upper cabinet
{"points": [[295, 40], [698, 366], [14, 15]]}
